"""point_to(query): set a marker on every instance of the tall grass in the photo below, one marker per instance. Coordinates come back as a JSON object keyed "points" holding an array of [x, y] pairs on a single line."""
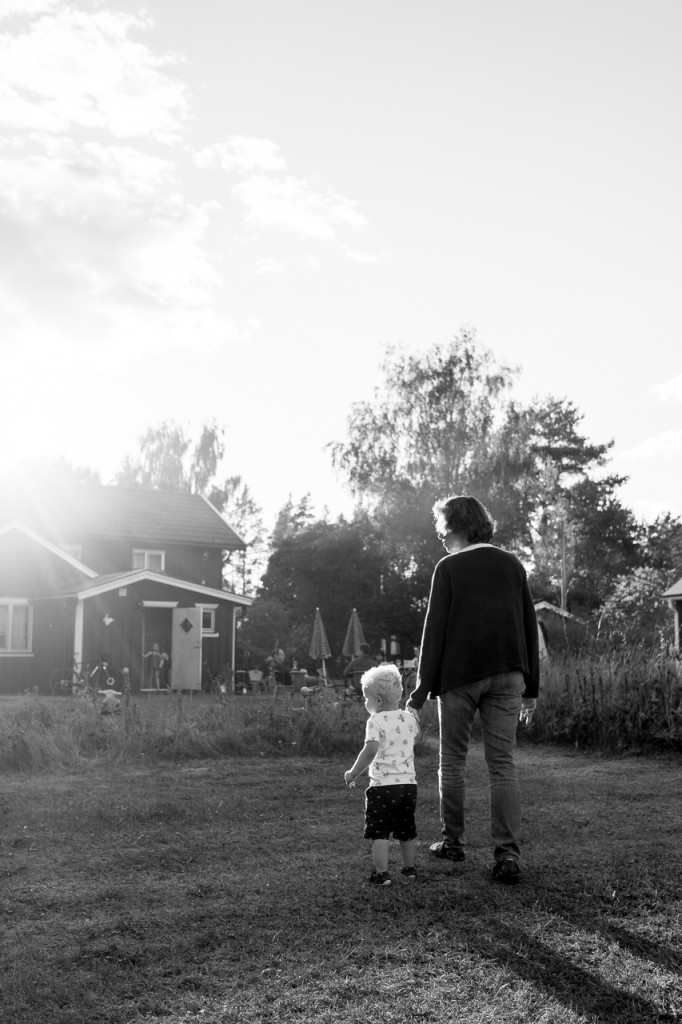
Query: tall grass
{"points": [[627, 700], [43, 733], [610, 699]]}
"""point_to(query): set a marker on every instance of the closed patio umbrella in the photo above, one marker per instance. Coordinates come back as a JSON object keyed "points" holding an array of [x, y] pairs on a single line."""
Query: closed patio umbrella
{"points": [[354, 636], [319, 645]]}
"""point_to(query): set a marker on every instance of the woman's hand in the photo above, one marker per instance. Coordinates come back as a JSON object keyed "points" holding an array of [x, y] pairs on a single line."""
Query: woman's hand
{"points": [[528, 706]]}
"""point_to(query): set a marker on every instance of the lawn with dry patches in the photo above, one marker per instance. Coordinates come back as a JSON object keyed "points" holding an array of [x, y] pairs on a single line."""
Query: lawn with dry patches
{"points": [[236, 890]]}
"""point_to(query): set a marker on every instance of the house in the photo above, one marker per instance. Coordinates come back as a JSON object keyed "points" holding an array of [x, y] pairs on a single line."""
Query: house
{"points": [[94, 571], [673, 596]]}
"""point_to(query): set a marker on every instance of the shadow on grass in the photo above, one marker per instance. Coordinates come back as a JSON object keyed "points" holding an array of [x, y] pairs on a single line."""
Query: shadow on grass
{"points": [[235, 890]]}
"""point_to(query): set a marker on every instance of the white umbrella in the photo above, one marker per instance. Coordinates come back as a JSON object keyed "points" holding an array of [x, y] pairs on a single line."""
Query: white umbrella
{"points": [[319, 645], [354, 636]]}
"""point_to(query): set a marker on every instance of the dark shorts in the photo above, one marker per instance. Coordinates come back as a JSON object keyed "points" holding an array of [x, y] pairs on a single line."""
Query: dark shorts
{"points": [[390, 809]]}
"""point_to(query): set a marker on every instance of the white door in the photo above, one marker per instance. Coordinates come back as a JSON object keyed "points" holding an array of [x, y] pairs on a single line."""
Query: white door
{"points": [[186, 649]]}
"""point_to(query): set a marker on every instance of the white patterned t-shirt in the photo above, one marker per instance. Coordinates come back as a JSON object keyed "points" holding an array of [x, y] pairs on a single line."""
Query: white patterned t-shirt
{"points": [[395, 732]]}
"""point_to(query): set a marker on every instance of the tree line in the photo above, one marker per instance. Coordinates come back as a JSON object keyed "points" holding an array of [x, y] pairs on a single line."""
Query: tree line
{"points": [[442, 422]]}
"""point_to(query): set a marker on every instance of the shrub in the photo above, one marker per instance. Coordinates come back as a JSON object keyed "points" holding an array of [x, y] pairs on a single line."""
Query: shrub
{"points": [[611, 699]]}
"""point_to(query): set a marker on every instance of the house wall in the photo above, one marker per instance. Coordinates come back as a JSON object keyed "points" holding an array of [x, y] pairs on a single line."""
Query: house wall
{"points": [[27, 568], [122, 640], [189, 563], [186, 562], [53, 628]]}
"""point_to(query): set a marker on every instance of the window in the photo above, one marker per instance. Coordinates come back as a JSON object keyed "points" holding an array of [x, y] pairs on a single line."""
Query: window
{"points": [[153, 560], [16, 621], [208, 618]]}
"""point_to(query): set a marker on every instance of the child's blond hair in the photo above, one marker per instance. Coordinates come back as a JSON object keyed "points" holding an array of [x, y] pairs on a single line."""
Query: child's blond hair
{"points": [[383, 681]]}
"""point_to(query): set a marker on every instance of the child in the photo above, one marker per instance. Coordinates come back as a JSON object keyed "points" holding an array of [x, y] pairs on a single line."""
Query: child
{"points": [[391, 796], [158, 657]]}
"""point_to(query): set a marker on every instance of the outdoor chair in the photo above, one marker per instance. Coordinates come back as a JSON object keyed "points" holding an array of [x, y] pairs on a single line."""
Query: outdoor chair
{"points": [[256, 680], [352, 688]]}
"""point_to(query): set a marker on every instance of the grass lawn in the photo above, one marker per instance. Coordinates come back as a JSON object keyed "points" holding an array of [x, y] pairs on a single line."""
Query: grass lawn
{"points": [[235, 891]]}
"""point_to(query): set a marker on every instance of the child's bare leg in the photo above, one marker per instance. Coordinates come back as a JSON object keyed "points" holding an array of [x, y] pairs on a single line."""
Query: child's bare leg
{"points": [[380, 855], [408, 851]]}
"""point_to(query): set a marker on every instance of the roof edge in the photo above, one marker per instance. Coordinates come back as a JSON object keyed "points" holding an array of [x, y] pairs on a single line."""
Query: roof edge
{"points": [[93, 589], [224, 520], [16, 524]]}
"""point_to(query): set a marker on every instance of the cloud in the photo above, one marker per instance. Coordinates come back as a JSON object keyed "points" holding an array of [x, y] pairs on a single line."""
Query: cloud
{"points": [[670, 389], [98, 245], [363, 257], [269, 265], [274, 198], [99, 225], [243, 155], [26, 7], [665, 445], [109, 292], [79, 71], [293, 204]]}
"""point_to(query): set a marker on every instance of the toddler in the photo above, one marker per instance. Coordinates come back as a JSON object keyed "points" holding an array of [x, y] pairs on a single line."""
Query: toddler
{"points": [[391, 797]]}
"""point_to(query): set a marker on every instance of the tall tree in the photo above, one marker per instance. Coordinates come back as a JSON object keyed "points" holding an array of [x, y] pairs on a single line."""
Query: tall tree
{"points": [[333, 566], [242, 570], [429, 422], [661, 544], [292, 518], [169, 460], [446, 422]]}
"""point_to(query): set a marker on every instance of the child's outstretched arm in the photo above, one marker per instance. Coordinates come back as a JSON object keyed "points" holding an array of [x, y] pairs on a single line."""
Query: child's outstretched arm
{"points": [[362, 761]]}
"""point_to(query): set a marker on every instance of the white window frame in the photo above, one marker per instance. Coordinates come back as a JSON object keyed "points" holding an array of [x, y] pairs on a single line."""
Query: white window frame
{"points": [[146, 552], [19, 652], [208, 609]]}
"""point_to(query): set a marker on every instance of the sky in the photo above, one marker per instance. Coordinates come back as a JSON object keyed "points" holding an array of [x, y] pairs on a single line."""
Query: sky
{"points": [[226, 211]]}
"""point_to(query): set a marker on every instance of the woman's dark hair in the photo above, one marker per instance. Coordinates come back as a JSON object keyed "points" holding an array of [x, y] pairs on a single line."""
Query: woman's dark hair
{"points": [[464, 515]]}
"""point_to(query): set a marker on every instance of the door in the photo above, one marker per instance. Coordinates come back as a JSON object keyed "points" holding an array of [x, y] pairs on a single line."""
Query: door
{"points": [[186, 649], [156, 648]]}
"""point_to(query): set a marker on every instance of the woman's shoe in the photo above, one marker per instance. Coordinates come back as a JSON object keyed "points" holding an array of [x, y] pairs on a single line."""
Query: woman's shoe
{"points": [[507, 871], [444, 852]]}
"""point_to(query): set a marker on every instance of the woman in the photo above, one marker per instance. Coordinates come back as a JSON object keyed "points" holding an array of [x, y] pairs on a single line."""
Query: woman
{"points": [[479, 651]]}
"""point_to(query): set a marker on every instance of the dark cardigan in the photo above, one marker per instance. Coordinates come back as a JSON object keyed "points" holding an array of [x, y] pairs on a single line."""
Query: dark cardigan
{"points": [[480, 622]]}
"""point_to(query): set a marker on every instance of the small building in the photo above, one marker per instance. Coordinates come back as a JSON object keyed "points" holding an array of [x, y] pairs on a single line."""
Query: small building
{"points": [[559, 629], [106, 572], [673, 596]]}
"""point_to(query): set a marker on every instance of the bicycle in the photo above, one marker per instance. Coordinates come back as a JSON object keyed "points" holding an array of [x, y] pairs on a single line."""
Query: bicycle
{"points": [[68, 682]]}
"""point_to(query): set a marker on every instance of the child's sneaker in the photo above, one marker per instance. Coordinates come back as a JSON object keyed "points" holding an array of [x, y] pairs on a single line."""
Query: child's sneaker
{"points": [[380, 878], [409, 874]]}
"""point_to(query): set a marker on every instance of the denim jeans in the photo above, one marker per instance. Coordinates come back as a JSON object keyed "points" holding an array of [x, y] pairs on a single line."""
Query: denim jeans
{"points": [[498, 700]]}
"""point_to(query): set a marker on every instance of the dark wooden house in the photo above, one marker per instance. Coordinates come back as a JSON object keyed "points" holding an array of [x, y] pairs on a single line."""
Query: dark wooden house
{"points": [[125, 574]]}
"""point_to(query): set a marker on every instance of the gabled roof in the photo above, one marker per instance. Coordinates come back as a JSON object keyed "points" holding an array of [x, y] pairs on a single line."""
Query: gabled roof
{"points": [[86, 511], [115, 580], [553, 609], [18, 527], [675, 590]]}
